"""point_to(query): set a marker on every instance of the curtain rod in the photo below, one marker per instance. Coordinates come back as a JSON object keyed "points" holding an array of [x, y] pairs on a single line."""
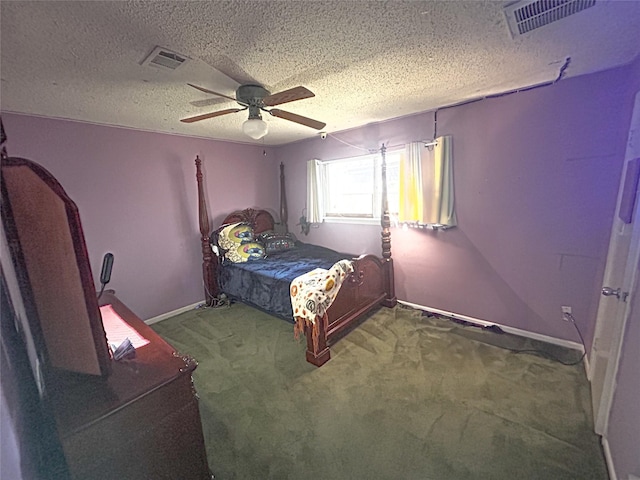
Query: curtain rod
{"points": [[426, 143]]}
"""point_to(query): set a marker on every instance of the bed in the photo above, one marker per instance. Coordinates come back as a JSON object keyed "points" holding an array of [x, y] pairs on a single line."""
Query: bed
{"points": [[265, 283]]}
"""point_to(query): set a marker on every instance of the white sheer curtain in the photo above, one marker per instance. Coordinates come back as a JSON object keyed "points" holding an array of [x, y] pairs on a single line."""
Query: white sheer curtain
{"points": [[426, 185], [315, 194]]}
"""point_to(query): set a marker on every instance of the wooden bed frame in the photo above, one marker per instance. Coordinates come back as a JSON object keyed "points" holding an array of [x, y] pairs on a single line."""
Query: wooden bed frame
{"points": [[370, 286]]}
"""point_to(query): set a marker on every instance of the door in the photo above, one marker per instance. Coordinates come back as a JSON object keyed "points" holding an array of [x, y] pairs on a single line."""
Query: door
{"points": [[619, 280]]}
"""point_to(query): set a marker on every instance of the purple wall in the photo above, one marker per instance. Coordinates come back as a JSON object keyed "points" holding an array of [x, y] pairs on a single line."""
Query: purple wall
{"points": [[536, 177], [136, 192]]}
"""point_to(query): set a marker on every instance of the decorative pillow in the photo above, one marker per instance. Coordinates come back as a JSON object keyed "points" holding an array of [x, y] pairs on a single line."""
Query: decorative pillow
{"points": [[233, 235], [245, 252], [235, 243], [276, 242]]}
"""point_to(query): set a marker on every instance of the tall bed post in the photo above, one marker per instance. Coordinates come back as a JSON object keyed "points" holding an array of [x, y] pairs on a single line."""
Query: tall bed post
{"points": [[385, 222], [208, 265], [283, 200]]}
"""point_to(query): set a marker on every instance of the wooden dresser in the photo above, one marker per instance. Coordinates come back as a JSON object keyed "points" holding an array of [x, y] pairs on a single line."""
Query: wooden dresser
{"points": [[140, 422], [98, 418]]}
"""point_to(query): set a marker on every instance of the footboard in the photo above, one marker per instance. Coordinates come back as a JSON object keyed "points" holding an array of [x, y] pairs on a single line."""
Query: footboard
{"points": [[369, 286], [362, 291]]}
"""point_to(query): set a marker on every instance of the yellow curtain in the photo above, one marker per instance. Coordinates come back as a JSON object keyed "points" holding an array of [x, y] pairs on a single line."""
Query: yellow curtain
{"points": [[410, 184], [426, 185]]}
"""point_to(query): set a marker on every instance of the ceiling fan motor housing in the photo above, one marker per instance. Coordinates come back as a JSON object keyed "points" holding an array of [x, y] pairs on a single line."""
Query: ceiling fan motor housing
{"points": [[251, 95]]}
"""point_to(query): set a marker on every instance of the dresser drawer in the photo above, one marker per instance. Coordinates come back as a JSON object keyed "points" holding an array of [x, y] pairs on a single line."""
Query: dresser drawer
{"points": [[158, 436]]}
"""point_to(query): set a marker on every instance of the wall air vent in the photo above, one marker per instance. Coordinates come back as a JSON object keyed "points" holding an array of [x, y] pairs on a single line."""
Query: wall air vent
{"points": [[527, 15], [164, 58]]}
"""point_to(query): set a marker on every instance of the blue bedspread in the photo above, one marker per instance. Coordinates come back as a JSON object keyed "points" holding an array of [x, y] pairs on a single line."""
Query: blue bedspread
{"points": [[265, 283]]}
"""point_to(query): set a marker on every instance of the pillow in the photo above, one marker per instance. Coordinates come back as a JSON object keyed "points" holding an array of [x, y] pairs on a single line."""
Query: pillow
{"points": [[232, 235], [276, 242], [236, 243], [245, 252]]}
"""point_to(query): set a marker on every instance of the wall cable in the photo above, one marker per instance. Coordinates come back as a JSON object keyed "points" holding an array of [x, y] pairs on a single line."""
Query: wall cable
{"points": [[552, 357], [368, 150], [560, 76]]}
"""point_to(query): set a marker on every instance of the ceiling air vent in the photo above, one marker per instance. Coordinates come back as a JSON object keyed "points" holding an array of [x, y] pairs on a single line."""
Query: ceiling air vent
{"points": [[164, 58], [528, 15]]}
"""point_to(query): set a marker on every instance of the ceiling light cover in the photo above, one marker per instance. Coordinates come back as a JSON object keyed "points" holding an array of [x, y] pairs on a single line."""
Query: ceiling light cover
{"points": [[255, 128]]}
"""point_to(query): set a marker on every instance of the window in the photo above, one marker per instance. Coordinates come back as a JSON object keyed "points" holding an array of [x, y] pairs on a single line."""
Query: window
{"points": [[419, 187], [352, 187]]}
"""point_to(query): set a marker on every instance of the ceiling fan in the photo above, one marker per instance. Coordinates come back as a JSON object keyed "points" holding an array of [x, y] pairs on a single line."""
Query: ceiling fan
{"points": [[256, 98]]}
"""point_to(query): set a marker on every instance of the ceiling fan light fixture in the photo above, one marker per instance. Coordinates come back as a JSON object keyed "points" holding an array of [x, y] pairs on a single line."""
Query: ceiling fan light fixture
{"points": [[255, 128]]}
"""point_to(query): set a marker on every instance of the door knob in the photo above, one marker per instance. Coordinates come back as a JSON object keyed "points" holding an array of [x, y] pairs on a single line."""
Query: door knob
{"points": [[608, 292]]}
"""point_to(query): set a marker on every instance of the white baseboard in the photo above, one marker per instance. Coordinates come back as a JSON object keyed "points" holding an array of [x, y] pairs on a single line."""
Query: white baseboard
{"points": [[173, 313], [515, 331], [609, 459]]}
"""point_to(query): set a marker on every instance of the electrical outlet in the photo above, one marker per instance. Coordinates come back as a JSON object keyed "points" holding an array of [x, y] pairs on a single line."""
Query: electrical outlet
{"points": [[566, 313]]}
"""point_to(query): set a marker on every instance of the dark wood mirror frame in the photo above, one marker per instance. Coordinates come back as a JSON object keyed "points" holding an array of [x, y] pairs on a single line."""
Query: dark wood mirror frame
{"points": [[50, 262]]}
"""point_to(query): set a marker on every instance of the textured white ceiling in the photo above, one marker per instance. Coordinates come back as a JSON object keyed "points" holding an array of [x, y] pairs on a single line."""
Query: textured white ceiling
{"points": [[365, 61]]}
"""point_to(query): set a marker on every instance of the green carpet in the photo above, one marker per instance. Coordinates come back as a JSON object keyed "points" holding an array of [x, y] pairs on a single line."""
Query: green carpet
{"points": [[404, 396]]}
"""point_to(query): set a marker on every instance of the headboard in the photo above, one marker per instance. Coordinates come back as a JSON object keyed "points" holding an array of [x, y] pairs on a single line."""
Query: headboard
{"points": [[260, 220]]}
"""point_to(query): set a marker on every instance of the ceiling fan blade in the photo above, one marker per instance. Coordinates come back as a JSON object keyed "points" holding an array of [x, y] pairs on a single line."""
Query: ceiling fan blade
{"points": [[207, 102], [291, 95], [197, 118], [293, 117], [206, 90]]}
